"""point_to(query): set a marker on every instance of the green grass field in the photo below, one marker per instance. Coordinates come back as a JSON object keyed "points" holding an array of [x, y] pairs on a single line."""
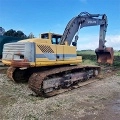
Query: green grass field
{"points": [[92, 52], [86, 52], [89, 57]]}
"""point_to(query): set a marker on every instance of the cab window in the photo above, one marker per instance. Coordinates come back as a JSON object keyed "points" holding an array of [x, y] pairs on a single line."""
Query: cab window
{"points": [[45, 36], [56, 39]]}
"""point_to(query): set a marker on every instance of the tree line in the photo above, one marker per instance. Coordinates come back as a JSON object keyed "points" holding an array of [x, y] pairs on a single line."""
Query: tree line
{"points": [[19, 34]]}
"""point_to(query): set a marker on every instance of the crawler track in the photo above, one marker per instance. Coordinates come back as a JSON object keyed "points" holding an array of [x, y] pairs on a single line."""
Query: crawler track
{"points": [[81, 84], [18, 75], [10, 72], [36, 80]]}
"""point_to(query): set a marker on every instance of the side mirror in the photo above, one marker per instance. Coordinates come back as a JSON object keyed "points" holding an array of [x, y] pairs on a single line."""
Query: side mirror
{"points": [[74, 43]]}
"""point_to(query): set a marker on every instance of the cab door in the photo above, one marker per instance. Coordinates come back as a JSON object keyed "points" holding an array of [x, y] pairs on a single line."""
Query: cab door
{"points": [[59, 48], [59, 52]]}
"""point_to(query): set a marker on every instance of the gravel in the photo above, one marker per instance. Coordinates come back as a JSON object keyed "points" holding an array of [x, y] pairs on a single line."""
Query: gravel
{"points": [[93, 101]]}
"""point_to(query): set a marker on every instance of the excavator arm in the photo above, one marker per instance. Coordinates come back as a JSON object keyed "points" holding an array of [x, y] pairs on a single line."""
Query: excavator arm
{"points": [[85, 19]]}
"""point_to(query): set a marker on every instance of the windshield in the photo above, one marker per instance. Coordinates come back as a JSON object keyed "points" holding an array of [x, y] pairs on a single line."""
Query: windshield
{"points": [[45, 36], [56, 39]]}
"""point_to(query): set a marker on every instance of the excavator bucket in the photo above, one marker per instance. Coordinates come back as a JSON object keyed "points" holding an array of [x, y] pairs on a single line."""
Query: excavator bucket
{"points": [[105, 56]]}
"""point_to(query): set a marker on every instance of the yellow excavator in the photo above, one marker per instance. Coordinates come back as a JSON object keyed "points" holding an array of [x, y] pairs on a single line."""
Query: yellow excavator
{"points": [[50, 63]]}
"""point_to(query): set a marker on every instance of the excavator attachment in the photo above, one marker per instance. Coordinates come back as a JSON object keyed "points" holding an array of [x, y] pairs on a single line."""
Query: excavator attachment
{"points": [[105, 56]]}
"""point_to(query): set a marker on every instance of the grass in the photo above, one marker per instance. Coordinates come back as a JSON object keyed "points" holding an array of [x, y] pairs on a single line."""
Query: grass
{"points": [[88, 62], [103, 98], [117, 53], [89, 57], [7, 100], [34, 98], [116, 64], [118, 73], [92, 52], [86, 52], [91, 96], [31, 117]]}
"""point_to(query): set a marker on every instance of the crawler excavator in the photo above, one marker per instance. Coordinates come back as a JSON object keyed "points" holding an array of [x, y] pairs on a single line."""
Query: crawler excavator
{"points": [[50, 63]]}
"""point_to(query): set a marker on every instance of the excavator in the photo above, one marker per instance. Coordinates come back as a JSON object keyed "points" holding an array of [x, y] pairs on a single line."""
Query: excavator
{"points": [[50, 63]]}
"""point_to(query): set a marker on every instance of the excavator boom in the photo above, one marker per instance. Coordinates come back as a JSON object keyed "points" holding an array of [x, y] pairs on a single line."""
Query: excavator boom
{"points": [[85, 19]]}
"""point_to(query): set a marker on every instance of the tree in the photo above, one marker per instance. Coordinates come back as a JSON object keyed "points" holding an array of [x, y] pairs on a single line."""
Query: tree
{"points": [[10, 32], [14, 33], [31, 35]]}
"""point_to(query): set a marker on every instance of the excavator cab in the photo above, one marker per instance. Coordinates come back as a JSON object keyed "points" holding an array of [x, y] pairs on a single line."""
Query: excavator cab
{"points": [[105, 56]]}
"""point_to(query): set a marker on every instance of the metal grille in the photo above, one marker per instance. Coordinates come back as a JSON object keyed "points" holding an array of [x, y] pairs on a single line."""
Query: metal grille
{"points": [[13, 47], [45, 49]]}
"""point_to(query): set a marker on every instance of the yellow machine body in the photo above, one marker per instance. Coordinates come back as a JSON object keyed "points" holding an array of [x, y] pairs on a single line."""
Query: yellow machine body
{"points": [[43, 51]]}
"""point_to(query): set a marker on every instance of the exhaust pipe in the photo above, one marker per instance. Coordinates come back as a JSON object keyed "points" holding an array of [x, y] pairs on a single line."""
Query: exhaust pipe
{"points": [[105, 56]]}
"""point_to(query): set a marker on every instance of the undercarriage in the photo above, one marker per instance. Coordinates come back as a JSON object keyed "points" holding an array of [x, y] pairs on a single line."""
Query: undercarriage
{"points": [[54, 80]]}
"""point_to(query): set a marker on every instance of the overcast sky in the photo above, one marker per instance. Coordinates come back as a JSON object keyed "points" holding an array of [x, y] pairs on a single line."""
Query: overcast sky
{"points": [[39, 16]]}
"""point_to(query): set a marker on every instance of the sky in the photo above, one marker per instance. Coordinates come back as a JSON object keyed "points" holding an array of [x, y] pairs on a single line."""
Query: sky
{"points": [[40, 16]]}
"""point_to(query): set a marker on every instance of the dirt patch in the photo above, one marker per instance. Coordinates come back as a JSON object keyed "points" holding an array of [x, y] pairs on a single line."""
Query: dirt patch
{"points": [[99, 101]]}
